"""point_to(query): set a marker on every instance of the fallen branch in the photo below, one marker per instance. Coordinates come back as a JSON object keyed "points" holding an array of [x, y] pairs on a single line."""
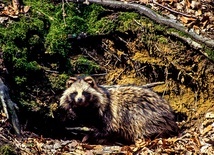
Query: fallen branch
{"points": [[84, 129], [9, 107], [171, 10], [143, 10], [190, 42], [149, 85]]}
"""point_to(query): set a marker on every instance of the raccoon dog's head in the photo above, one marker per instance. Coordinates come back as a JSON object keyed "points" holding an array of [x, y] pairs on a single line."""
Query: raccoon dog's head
{"points": [[80, 92]]}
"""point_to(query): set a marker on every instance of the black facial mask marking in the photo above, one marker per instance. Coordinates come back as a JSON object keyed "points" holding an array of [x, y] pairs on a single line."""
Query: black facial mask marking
{"points": [[87, 95], [72, 95]]}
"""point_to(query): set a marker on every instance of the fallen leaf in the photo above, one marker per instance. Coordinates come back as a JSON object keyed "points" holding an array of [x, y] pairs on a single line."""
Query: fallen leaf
{"points": [[126, 148], [196, 29], [88, 147], [198, 12], [207, 129], [196, 139], [98, 147], [209, 115], [12, 16], [89, 152], [186, 20], [26, 9], [144, 1], [188, 4], [195, 5], [179, 6], [73, 143]]}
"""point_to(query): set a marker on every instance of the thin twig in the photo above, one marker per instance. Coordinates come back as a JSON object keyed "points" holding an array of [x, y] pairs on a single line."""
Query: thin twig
{"points": [[51, 71], [119, 75], [108, 62], [86, 52], [101, 74], [63, 11], [79, 129], [149, 85], [171, 10], [112, 53], [121, 39], [4, 105], [68, 3]]}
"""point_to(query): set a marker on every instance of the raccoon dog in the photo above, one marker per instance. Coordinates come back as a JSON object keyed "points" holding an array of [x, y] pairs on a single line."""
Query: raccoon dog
{"points": [[128, 112]]}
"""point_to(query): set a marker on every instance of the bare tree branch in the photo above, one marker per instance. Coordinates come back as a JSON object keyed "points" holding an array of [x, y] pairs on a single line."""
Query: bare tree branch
{"points": [[149, 85], [171, 10], [143, 10]]}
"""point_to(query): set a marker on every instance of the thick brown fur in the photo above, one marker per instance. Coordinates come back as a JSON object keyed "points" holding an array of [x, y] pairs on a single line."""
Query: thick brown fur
{"points": [[128, 112]]}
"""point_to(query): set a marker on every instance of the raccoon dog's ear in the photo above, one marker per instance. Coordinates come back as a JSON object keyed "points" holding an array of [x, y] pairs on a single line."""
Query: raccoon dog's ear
{"points": [[70, 81], [90, 81]]}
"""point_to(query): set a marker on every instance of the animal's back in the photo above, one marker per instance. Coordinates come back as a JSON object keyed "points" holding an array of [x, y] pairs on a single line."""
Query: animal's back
{"points": [[140, 113]]}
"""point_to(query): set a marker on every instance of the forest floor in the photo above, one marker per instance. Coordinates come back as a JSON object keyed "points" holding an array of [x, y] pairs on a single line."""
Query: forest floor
{"points": [[196, 140], [196, 15]]}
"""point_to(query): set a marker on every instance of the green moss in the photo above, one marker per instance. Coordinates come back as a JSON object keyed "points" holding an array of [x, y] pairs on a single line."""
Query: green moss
{"points": [[103, 26], [58, 82], [172, 30], [20, 80], [163, 40], [85, 66], [126, 21], [159, 27], [210, 52], [96, 23], [7, 150]]}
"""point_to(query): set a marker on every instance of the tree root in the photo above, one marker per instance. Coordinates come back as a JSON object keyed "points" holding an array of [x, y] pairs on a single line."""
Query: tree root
{"points": [[9, 107]]}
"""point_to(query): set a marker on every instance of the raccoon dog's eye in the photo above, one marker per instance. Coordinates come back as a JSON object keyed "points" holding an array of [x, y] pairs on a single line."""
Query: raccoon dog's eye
{"points": [[86, 94], [72, 95]]}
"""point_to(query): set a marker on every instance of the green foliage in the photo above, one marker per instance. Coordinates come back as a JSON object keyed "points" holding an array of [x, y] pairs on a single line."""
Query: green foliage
{"points": [[126, 21], [103, 25], [83, 65], [210, 53], [7, 150], [58, 82], [20, 80], [162, 40]]}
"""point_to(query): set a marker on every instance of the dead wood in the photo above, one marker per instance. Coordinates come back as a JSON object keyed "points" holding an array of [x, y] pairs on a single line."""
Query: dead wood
{"points": [[9, 107], [143, 10], [149, 85]]}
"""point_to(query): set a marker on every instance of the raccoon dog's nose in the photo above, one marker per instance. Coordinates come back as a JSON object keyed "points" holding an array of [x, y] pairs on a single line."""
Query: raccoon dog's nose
{"points": [[79, 100]]}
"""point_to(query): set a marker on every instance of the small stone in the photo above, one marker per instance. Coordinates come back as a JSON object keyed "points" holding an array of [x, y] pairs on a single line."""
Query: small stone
{"points": [[65, 142], [48, 147], [209, 115], [204, 149], [57, 145]]}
